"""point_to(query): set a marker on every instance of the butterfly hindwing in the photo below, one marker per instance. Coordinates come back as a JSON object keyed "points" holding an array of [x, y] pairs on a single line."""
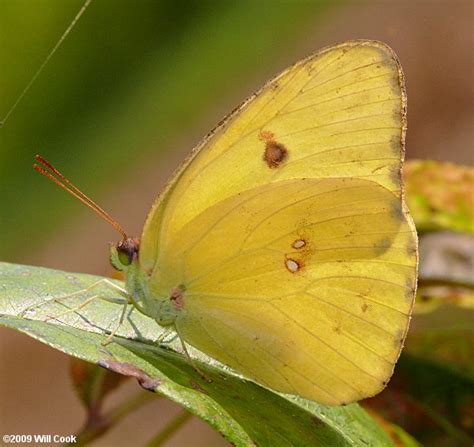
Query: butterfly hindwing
{"points": [[316, 287]]}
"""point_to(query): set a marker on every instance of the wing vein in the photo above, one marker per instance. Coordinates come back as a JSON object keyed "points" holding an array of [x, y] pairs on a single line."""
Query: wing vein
{"points": [[358, 317], [335, 98], [322, 366], [312, 334], [361, 67], [231, 354], [365, 297], [364, 277], [333, 123]]}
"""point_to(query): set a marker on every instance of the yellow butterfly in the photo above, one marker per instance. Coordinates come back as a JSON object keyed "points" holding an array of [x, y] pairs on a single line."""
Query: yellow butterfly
{"points": [[283, 246]]}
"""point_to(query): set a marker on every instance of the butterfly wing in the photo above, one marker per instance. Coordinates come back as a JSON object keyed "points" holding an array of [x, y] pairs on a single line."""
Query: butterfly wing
{"points": [[288, 230]]}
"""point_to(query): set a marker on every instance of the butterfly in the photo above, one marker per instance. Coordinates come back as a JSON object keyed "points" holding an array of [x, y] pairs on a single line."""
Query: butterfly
{"points": [[283, 247]]}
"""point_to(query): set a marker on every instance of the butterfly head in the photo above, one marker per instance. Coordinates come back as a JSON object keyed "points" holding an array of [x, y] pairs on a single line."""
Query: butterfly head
{"points": [[124, 253]]}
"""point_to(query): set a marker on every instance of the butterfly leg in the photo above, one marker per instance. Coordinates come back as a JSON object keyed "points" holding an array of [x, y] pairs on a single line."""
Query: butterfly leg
{"points": [[191, 360], [74, 309], [166, 332], [86, 302], [122, 317], [94, 285], [123, 301]]}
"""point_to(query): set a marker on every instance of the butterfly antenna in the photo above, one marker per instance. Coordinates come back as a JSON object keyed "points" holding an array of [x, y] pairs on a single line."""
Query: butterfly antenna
{"points": [[48, 170]]}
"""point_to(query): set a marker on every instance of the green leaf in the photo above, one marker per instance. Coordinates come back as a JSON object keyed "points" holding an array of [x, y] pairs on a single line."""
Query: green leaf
{"points": [[440, 195], [244, 412]]}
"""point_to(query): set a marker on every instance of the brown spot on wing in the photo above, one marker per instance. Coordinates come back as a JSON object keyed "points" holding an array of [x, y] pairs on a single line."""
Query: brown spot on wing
{"points": [[292, 265], [297, 260], [298, 243], [266, 135], [177, 296], [275, 153]]}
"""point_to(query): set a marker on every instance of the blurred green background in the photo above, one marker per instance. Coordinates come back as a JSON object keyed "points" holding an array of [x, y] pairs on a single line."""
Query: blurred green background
{"points": [[133, 80], [132, 89]]}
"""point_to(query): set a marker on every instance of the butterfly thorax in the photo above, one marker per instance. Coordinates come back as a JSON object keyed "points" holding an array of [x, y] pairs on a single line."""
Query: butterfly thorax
{"points": [[165, 310]]}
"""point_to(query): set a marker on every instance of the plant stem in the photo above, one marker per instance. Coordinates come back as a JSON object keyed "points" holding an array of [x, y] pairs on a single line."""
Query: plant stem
{"points": [[95, 429], [445, 282], [174, 425]]}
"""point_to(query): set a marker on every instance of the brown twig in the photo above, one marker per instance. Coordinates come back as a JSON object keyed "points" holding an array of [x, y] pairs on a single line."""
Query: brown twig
{"points": [[96, 425]]}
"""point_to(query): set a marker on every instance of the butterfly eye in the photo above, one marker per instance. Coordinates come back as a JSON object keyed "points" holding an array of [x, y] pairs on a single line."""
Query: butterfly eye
{"points": [[127, 251]]}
